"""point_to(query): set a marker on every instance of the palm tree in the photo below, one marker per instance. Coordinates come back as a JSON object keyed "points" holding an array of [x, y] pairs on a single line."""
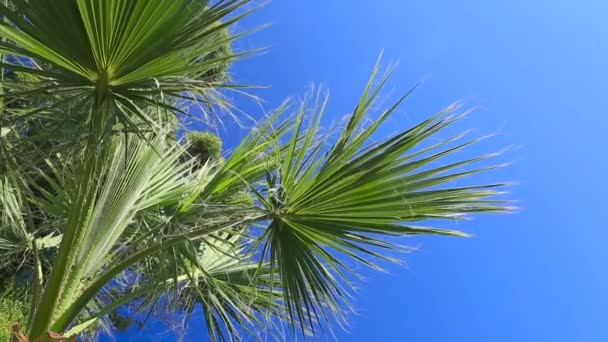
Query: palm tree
{"points": [[106, 209]]}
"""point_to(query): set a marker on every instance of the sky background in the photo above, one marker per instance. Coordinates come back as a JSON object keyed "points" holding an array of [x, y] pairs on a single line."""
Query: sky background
{"points": [[537, 71]]}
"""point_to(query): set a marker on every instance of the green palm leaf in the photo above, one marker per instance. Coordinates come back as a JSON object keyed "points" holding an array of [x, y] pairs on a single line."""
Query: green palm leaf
{"points": [[235, 296], [136, 175], [327, 205], [129, 54]]}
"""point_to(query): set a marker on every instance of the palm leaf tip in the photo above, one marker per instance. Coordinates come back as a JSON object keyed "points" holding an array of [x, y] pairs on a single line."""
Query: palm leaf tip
{"points": [[339, 204]]}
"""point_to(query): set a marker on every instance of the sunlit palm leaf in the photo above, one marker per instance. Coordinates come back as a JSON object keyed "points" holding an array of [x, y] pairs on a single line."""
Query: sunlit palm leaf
{"points": [[136, 175], [11, 186], [123, 52], [236, 297], [136, 178], [325, 205], [257, 153]]}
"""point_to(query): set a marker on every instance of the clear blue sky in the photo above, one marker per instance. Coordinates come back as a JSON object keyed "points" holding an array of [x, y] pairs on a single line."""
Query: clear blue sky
{"points": [[538, 72]]}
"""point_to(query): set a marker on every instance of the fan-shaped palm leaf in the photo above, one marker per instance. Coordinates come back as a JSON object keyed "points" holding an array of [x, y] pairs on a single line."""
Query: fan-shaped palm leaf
{"points": [[136, 175], [118, 52], [325, 204]]}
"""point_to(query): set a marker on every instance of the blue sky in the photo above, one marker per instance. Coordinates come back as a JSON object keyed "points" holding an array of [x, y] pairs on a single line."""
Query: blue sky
{"points": [[537, 70]]}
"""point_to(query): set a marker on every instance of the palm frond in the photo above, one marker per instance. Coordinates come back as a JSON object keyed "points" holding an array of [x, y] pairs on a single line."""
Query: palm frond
{"points": [[11, 186], [328, 204], [128, 54], [235, 296], [136, 174]]}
